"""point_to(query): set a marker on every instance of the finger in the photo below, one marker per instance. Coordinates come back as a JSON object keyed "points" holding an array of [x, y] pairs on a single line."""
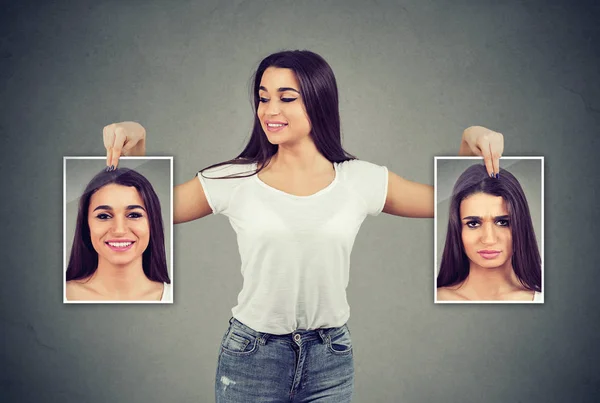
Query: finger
{"points": [[497, 148], [487, 155], [495, 161], [108, 136], [117, 146], [127, 147]]}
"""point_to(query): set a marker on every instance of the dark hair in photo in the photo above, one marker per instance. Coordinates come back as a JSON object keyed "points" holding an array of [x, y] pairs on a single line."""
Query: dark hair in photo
{"points": [[526, 260], [319, 92], [84, 258]]}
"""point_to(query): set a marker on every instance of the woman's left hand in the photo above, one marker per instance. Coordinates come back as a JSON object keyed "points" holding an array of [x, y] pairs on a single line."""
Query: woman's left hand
{"points": [[478, 140]]}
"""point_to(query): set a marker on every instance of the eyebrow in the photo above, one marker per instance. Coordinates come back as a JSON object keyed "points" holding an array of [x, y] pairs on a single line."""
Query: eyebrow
{"points": [[280, 89], [474, 217], [130, 207]]}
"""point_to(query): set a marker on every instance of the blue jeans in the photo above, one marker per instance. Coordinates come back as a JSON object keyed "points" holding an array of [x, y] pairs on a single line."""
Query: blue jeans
{"points": [[303, 366]]}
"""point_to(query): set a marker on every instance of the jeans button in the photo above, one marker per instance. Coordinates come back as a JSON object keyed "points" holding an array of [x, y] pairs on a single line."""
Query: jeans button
{"points": [[297, 337]]}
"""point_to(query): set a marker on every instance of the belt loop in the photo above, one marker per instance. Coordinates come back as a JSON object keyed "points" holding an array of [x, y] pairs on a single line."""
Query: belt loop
{"points": [[262, 339], [322, 334]]}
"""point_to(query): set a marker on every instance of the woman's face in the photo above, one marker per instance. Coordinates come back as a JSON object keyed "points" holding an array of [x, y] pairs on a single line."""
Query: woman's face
{"points": [[486, 232], [281, 110], [118, 222]]}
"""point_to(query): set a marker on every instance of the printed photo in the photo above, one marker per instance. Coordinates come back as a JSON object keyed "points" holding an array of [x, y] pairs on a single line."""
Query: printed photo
{"points": [[489, 231], [118, 230]]}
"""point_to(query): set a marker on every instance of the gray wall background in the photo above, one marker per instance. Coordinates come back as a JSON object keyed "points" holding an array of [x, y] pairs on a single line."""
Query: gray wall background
{"points": [[79, 172], [528, 173], [412, 75]]}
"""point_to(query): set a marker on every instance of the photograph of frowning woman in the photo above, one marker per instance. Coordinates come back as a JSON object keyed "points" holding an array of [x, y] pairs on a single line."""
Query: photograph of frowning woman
{"points": [[118, 251], [491, 252]]}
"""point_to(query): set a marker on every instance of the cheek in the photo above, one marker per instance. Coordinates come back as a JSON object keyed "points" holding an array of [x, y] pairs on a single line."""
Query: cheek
{"points": [[468, 238], [96, 230], [508, 241], [141, 230]]}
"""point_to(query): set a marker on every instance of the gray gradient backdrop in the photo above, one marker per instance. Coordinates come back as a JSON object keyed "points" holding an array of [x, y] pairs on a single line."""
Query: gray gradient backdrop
{"points": [[412, 75], [79, 172], [527, 171]]}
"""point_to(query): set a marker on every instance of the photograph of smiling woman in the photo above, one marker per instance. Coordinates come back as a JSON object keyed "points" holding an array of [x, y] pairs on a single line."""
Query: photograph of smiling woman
{"points": [[83, 261], [525, 258]]}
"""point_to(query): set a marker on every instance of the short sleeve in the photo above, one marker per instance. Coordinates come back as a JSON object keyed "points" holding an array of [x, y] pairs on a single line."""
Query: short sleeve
{"points": [[368, 181], [219, 183]]}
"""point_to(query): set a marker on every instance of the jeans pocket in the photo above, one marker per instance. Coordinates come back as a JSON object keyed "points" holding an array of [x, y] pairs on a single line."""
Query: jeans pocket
{"points": [[237, 342], [339, 341]]}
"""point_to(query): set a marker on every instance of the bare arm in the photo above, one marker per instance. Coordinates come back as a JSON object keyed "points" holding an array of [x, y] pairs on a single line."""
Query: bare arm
{"points": [[189, 202], [408, 199]]}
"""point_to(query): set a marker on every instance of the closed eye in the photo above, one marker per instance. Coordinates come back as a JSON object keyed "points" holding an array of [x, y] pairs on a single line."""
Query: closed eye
{"points": [[288, 99], [263, 100]]}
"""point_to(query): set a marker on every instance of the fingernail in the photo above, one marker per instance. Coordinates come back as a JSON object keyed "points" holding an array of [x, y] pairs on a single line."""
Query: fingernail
{"points": [[498, 175], [492, 175], [106, 169], [112, 167]]}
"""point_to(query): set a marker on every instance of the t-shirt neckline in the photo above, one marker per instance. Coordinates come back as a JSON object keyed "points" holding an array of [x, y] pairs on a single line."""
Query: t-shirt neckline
{"points": [[324, 190]]}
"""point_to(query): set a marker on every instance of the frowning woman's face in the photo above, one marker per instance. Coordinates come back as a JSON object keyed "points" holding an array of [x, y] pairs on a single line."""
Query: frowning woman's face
{"points": [[119, 227], [486, 231]]}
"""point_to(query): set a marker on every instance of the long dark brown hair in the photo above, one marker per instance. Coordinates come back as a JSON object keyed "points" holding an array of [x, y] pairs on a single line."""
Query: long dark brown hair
{"points": [[526, 260], [320, 96]]}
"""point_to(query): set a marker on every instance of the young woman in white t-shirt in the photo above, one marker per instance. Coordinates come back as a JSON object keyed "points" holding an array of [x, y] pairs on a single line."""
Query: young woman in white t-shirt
{"points": [[296, 200]]}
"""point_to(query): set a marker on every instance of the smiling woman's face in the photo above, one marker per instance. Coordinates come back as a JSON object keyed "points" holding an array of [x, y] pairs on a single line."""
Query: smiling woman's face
{"points": [[281, 109], [118, 221], [486, 232]]}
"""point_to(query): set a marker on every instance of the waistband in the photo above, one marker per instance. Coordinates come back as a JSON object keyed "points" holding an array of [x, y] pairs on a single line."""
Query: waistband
{"points": [[304, 335]]}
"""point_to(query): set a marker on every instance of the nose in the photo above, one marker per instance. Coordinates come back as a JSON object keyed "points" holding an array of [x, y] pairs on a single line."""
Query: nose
{"points": [[119, 226], [272, 108], [488, 236]]}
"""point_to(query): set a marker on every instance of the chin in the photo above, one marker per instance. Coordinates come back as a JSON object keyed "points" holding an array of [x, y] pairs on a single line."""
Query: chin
{"points": [[276, 140], [490, 264], [122, 260]]}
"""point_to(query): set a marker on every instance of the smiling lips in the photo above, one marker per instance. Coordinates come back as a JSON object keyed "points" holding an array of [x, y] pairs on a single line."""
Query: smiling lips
{"points": [[489, 254], [120, 246], [274, 126]]}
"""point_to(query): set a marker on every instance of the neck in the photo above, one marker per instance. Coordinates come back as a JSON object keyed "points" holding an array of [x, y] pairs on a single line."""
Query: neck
{"points": [[119, 281], [488, 283], [300, 157]]}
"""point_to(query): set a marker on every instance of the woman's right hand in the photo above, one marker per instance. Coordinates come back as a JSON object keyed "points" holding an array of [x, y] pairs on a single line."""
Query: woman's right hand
{"points": [[125, 138]]}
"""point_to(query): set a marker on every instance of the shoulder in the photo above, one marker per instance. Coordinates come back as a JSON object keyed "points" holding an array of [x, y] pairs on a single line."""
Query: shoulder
{"points": [[521, 295], [449, 294], [361, 171], [76, 290], [228, 171], [354, 167]]}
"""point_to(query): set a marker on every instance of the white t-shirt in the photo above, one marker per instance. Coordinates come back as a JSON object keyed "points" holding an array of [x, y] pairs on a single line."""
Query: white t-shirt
{"points": [[295, 250], [167, 295]]}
